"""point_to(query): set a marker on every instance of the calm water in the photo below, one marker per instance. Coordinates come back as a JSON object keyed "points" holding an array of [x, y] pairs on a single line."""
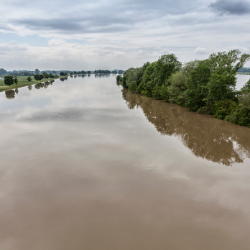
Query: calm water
{"points": [[85, 165]]}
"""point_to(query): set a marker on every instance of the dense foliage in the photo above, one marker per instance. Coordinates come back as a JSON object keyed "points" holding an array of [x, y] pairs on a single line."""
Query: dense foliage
{"points": [[8, 80], [203, 86]]}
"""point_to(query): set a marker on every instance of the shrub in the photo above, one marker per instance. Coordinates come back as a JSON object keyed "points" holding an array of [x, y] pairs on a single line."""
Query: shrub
{"points": [[164, 93], [223, 108], [240, 116], [245, 100], [140, 88], [156, 92], [132, 86]]}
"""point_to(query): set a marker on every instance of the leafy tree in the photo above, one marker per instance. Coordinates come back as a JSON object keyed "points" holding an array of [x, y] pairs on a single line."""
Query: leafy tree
{"points": [[164, 68], [197, 87], [40, 77], [37, 77], [37, 71], [15, 80], [224, 66], [45, 75], [177, 87], [132, 87], [29, 79], [8, 80]]}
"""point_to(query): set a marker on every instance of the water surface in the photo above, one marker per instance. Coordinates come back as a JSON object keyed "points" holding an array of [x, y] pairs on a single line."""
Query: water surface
{"points": [[86, 165]]}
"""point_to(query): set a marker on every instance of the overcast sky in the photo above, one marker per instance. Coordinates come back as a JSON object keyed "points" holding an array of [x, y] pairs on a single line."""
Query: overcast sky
{"points": [[108, 34]]}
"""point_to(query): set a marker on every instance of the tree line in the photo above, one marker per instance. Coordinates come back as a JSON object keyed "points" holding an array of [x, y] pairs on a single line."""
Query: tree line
{"points": [[203, 86]]}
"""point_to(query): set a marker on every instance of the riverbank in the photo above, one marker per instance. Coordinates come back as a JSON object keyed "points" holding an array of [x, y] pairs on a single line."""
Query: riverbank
{"points": [[22, 82], [205, 86]]}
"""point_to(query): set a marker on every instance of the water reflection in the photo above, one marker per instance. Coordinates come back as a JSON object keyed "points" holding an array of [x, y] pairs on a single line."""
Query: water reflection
{"points": [[205, 136], [30, 87], [64, 79], [101, 75], [10, 94]]}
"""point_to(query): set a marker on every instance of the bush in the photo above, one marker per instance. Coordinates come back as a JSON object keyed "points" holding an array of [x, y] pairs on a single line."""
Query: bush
{"points": [[164, 93], [132, 87], [156, 92], [245, 100], [240, 116], [223, 108], [140, 88]]}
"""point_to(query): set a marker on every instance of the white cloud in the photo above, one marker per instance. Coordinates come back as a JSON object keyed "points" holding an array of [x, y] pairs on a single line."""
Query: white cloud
{"points": [[200, 50]]}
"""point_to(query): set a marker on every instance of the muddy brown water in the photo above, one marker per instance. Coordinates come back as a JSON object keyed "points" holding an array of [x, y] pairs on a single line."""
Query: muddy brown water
{"points": [[86, 165]]}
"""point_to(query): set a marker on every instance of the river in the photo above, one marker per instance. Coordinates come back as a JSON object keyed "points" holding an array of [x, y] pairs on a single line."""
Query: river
{"points": [[87, 165]]}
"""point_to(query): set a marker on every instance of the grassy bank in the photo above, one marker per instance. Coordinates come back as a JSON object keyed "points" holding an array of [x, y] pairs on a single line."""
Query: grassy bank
{"points": [[243, 73], [22, 82]]}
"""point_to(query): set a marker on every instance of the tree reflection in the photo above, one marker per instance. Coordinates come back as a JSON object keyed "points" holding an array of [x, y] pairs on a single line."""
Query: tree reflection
{"points": [[30, 87], [10, 94], [39, 85], [207, 137], [101, 75], [64, 79]]}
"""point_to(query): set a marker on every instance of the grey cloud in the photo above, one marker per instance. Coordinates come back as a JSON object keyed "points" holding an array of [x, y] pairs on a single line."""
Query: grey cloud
{"points": [[76, 26], [235, 7], [109, 18]]}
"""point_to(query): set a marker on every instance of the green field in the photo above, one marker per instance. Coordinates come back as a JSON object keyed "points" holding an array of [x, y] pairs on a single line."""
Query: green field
{"points": [[22, 82], [243, 73]]}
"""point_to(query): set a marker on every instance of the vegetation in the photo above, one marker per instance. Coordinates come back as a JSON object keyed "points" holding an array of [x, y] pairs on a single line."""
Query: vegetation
{"points": [[8, 80], [203, 86], [22, 81]]}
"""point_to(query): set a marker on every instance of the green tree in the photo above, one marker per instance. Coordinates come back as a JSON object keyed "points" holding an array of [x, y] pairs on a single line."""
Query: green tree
{"points": [[8, 80], [177, 87], [37, 77], [15, 80], [164, 68], [132, 87], [29, 79], [224, 66], [197, 87], [45, 75]]}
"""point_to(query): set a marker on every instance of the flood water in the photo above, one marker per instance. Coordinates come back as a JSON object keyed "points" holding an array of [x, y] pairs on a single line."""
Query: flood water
{"points": [[87, 165]]}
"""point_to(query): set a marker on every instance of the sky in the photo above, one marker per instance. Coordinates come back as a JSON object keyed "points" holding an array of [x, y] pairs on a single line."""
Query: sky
{"points": [[117, 34]]}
